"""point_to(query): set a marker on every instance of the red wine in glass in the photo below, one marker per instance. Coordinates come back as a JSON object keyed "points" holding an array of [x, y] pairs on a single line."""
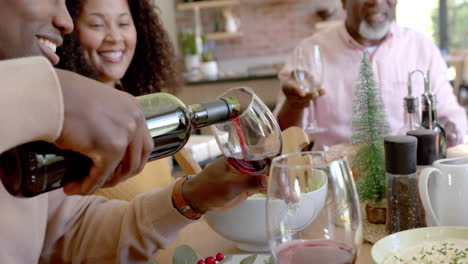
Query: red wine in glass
{"points": [[316, 252], [251, 166], [253, 137], [240, 134]]}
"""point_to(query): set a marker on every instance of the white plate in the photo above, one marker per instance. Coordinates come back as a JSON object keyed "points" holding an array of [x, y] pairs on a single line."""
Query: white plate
{"points": [[392, 244], [236, 258]]}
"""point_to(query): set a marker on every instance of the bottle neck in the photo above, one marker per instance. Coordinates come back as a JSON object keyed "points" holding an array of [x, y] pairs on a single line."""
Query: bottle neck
{"points": [[412, 121], [171, 122], [411, 114], [165, 113], [429, 109], [429, 116], [213, 112]]}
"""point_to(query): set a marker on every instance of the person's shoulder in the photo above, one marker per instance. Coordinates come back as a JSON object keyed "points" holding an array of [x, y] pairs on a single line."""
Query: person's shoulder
{"points": [[332, 30], [324, 34], [415, 41], [34, 60], [410, 34]]}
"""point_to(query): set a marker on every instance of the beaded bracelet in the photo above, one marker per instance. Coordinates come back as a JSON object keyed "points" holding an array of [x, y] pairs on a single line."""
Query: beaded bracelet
{"points": [[180, 204]]}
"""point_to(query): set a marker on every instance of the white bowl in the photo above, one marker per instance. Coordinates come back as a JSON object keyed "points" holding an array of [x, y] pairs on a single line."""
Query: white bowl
{"points": [[245, 224]]}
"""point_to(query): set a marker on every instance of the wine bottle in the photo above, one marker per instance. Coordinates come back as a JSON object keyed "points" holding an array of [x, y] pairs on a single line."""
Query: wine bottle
{"points": [[39, 167], [429, 116]]}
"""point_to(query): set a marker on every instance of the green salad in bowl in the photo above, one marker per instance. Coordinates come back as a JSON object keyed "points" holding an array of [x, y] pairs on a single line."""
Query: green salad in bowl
{"points": [[313, 185]]}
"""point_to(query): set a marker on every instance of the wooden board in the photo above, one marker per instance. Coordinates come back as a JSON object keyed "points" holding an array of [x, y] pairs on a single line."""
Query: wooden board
{"points": [[207, 4]]}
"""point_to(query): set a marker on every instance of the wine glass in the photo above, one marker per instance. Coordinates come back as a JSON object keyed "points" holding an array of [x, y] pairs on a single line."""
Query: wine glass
{"points": [[313, 213], [308, 72], [253, 138]]}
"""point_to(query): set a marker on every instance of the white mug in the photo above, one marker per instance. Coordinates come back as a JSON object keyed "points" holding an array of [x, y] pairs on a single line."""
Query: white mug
{"points": [[444, 192]]}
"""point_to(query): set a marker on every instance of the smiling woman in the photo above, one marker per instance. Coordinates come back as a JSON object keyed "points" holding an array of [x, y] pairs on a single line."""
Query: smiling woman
{"points": [[121, 43], [108, 37]]}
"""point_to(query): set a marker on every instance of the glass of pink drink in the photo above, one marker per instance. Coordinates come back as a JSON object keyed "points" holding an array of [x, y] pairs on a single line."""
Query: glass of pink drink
{"points": [[313, 213]]}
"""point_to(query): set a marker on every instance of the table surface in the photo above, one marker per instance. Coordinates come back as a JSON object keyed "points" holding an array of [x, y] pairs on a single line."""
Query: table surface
{"points": [[206, 243]]}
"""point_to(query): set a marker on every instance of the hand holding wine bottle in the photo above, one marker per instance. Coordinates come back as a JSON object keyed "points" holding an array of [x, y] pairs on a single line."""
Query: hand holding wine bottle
{"points": [[106, 125], [252, 139], [37, 167]]}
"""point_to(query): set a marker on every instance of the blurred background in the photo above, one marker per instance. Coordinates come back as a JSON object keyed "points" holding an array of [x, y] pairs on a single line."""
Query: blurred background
{"points": [[227, 43], [234, 41]]}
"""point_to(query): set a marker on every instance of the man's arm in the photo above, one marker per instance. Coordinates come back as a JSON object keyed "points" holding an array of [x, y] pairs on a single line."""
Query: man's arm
{"points": [[290, 108], [92, 229], [292, 101], [38, 102], [31, 105], [448, 109]]}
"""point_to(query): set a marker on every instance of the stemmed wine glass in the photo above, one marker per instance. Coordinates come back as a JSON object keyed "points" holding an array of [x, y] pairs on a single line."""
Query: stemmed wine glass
{"points": [[313, 213], [253, 138], [308, 72]]}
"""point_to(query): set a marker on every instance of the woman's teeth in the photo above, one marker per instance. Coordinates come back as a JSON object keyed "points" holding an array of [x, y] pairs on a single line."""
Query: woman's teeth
{"points": [[112, 55], [49, 44]]}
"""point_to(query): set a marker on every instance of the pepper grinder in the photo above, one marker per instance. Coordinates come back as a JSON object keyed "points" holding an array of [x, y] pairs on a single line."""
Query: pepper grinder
{"points": [[402, 185]]}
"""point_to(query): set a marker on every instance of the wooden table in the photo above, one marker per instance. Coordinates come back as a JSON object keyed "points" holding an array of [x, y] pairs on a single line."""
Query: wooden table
{"points": [[206, 242]]}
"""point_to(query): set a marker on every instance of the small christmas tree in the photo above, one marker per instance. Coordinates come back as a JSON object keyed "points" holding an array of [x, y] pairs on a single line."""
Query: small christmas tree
{"points": [[369, 127]]}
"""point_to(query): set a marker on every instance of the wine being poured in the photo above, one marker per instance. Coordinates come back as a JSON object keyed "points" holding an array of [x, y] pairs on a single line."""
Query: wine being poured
{"points": [[252, 139], [38, 167], [251, 165]]}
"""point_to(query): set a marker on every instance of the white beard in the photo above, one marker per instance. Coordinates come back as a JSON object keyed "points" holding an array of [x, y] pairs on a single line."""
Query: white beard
{"points": [[373, 32]]}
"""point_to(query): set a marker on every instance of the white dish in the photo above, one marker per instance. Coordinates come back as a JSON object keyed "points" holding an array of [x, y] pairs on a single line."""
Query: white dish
{"points": [[237, 258], [394, 243]]}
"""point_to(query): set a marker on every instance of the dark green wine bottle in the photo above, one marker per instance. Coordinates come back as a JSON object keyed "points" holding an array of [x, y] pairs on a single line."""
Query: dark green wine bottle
{"points": [[39, 167]]}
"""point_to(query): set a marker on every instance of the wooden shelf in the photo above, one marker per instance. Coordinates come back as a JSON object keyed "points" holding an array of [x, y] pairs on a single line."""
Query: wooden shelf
{"points": [[326, 24], [223, 35], [207, 4]]}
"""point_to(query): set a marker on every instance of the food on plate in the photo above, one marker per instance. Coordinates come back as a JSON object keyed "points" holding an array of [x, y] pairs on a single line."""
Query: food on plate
{"points": [[450, 251]]}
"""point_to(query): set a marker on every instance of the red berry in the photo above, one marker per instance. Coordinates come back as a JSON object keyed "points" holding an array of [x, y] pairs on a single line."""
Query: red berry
{"points": [[201, 261], [210, 260], [219, 256]]}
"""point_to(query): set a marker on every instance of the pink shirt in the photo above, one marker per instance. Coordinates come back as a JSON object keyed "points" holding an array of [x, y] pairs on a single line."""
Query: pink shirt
{"points": [[402, 51]]}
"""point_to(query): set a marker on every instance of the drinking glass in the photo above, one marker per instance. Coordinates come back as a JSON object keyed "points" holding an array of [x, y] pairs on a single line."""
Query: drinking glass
{"points": [[308, 72], [313, 213], [253, 138]]}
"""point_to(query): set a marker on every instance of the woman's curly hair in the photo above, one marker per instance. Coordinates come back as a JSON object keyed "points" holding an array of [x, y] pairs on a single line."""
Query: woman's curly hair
{"points": [[153, 67]]}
